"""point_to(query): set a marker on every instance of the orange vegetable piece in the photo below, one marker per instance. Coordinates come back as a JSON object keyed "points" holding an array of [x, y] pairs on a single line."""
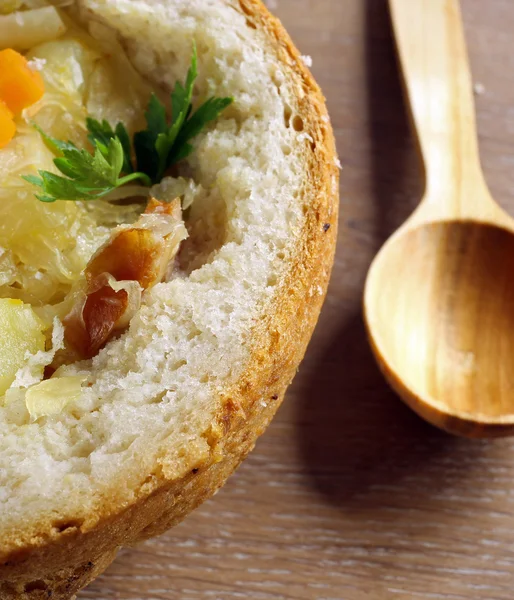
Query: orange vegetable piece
{"points": [[7, 126], [20, 87]]}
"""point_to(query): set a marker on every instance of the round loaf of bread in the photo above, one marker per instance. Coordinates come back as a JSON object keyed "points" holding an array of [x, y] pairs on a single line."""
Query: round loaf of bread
{"points": [[174, 404]]}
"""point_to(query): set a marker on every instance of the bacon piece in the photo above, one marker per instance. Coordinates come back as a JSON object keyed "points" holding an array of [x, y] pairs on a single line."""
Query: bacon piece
{"points": [[133, 260]]}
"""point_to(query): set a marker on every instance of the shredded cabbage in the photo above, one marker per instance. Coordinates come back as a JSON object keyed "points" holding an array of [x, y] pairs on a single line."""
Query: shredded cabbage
{"points": [[44, 247]]}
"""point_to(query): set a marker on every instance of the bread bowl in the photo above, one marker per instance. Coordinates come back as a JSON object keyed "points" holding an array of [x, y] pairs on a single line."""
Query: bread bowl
{"points": [[170, 407]]}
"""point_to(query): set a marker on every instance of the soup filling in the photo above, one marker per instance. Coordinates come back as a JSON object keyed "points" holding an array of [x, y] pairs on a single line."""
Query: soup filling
{"points": [[91, 204]]}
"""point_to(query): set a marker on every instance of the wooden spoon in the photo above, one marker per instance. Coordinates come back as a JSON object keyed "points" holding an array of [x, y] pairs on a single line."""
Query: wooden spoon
{"points": [[439, 296]]}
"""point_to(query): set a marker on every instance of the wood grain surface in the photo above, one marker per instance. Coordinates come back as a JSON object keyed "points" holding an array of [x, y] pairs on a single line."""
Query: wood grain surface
{"points": [[349, 496]]}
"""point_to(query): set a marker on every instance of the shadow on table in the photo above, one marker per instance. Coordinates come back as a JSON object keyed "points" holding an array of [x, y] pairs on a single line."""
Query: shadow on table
{"points": [[396, 171], [355, 435]]}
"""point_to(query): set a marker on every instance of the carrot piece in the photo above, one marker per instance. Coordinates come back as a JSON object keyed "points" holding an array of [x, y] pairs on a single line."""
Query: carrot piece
{"points": [[7, 126], [20, 87]]}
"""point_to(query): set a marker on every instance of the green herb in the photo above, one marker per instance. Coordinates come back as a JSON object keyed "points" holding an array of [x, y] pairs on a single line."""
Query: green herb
{"points": [[161, 145], [102, 133], [88, 176]]}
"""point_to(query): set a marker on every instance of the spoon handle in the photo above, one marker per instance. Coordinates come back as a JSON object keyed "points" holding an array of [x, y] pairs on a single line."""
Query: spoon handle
{"points": [[432, 51]]}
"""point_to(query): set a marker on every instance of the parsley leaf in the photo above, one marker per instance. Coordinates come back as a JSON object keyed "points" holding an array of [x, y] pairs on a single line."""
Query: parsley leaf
{"points": [[89, 176], [161, 145], [123, 136], [145, 141], [209, 111], [101, 133]]}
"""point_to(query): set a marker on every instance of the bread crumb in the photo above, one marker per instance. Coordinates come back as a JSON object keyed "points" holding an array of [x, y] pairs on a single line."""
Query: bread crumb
{"points": [[325, 119], [479, 88], [337, 163], [307, 60]]}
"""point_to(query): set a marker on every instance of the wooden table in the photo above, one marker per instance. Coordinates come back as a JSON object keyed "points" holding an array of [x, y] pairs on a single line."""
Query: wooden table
{"points": [[350, 496]]}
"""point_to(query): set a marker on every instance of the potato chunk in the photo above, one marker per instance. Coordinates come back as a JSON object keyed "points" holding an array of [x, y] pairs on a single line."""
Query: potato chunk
{"points": [[21, 332]]}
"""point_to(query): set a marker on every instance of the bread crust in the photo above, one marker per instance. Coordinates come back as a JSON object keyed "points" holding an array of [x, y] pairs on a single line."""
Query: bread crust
{"points": [[61, 560]]}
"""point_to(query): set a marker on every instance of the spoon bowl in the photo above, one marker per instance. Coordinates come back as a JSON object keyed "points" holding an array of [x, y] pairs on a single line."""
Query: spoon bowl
{"points": [[439, 297], [439, 302]]}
